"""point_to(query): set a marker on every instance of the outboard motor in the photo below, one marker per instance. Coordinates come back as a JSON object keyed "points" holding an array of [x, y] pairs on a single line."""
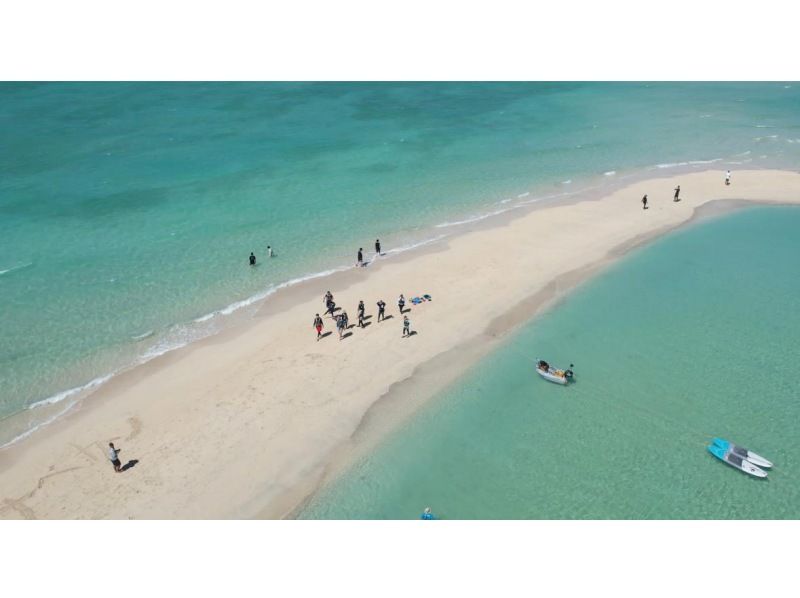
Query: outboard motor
{"points": [[568, 374]]}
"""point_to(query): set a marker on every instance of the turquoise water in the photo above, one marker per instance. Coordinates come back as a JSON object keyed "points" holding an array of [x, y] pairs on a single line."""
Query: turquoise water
{"points": [[692, 337], [128, 210]]}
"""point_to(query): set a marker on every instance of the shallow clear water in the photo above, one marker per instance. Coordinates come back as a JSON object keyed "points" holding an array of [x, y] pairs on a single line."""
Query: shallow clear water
{"points": [[128, 210], [692, 337]]}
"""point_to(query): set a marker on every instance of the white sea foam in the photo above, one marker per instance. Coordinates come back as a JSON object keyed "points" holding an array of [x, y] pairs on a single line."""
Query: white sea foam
{"points": [[143, 335], [687, 163], [470, 219], [567, 182], [610, 173], [32, 429], [526, 194], [15, 268], [57, 398]]}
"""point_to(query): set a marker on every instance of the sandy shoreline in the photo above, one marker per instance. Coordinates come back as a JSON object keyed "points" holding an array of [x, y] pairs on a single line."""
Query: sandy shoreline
{"points": [[248, 422]]}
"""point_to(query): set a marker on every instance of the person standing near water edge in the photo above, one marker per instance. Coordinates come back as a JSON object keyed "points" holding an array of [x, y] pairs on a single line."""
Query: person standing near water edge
{"points": [[377, 247], [360, 260], [113, 456], [677, 193], [728, 178], [644, 202], [381, 310], [318, 325], [252, 259]]}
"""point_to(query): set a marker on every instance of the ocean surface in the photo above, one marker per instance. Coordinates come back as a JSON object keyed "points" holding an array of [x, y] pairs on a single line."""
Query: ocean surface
{"points": [[128, 210], [692, 337]]}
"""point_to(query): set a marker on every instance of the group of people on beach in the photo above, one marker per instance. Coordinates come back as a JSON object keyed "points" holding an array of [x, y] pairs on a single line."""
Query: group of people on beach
{"points": [[677, 195], [343, 320]]}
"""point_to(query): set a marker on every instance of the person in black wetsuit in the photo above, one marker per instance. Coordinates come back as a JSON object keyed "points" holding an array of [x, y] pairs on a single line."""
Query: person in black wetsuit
{"points": [[644, 202], [361, 314], [377, 247], [381, 310], [360, 261], [252, 259]]}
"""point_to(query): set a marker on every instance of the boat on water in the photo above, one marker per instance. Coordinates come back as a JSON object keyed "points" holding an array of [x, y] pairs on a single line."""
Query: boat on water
{"points": [[736, 461], [742, 452], [552, 374]]}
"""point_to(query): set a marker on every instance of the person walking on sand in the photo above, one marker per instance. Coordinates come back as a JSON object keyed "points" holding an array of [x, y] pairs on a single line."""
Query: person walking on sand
{"points": [[340, 325], [377, 247], [644, 202], [361, 314], [728, 178], [331, 308], [318, 325], [252, 259], [406, 326], [346, 319], [360, 260], [113, 456], [677, 193], [327, 298], [401, 302], [381, 310]]}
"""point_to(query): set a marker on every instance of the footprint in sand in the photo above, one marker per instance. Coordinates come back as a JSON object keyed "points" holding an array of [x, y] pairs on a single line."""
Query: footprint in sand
{"points": [[136, 427]]}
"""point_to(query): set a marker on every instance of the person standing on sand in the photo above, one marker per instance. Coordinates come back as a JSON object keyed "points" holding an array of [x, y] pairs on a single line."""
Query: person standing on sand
{"points": [[346, 319], [728, 178], [677, 193], [644, 202], [361, 309], [252, 259], [381, 310], [318, 325], [377, 247], [406, 326], [360, 261], [401, 303], [113, 456]]}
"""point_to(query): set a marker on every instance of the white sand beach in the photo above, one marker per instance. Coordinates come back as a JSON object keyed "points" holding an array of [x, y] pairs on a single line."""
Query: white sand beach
{"points": [[249, 422]]}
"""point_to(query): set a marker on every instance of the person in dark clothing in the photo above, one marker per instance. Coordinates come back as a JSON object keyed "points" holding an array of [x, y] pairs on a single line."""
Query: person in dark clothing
{"points": [[361, 314], [340, 326], [644, 202], [677, 193], [377, 247], [360, 261], [381, 310], [331, 308], [252, 259], [401, 303]]}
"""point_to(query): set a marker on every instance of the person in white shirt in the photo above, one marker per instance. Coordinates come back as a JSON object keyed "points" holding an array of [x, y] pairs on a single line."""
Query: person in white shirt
{"points": [[728, 178], [113, 456]]}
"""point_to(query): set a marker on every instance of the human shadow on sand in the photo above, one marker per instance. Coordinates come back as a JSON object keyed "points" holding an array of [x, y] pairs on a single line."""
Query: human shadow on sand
{"points": [[129, 465]]}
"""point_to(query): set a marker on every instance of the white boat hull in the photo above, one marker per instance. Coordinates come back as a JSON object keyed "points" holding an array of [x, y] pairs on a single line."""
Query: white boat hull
{"points": [[552, 377]]}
